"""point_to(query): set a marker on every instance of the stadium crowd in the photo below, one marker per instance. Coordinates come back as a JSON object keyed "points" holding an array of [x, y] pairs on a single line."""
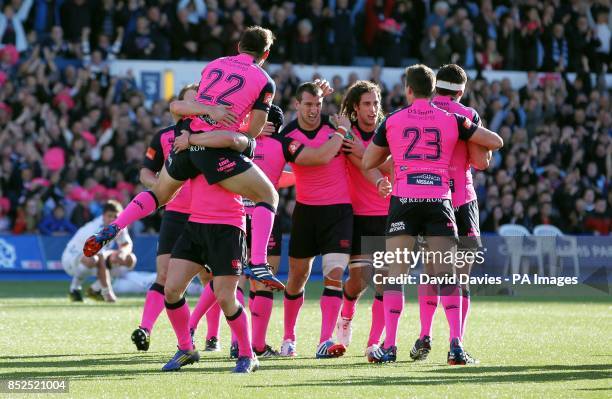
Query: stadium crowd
{"points": [[72, 135]]}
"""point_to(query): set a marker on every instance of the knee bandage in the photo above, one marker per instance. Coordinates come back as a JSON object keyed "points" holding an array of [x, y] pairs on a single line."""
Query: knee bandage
{"points": [[332, 262]]}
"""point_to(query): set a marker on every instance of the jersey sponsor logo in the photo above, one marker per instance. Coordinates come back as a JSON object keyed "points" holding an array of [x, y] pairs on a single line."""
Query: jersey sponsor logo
{"points": [[397, 226], [451, 183], [207, 119], [294, 146], [424, 179], [151, 153], [268, 98]]}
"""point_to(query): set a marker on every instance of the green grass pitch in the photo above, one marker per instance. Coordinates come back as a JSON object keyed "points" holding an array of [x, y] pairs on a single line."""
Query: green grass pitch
{"points": [[527, 348]]}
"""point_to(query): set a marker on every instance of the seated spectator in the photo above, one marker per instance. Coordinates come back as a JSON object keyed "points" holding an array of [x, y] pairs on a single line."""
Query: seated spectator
{"points": [[56, 223], [435, 51], [599, 220], [142, 43]]}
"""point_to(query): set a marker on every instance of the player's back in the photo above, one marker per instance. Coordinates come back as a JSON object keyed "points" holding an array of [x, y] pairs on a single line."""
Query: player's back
{"points": [[236, 81], [269, 157], [215, 205], [421, 139], [462, 186]]}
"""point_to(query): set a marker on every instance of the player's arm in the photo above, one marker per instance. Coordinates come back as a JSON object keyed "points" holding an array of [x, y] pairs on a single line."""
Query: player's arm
{"points": [[214, 139], [310, 156], [220, 113], [480, 157], [469, 131], [260, 109], [378, 151], [153, 162]]}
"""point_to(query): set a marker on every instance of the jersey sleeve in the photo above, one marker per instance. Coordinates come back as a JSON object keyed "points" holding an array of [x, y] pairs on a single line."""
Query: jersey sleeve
{"points": [[291, 148], [380, 137], [476, 118], [154, 156], [465, 127], [266, 95]]}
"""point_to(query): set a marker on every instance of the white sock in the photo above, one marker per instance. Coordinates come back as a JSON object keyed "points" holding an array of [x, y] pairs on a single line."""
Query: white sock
{"points": [[80, 275], [96, 286]]}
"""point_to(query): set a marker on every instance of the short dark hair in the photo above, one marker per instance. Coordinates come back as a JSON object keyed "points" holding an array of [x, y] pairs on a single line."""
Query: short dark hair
{"points": [[256, 40], [185, 89], [452, 73], [307, 87], [112, 206], [421, 79]]}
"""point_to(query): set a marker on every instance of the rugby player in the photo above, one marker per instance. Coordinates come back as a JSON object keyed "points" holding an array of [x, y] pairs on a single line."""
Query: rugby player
{"points": [[450, 86], [175, 215], [240, 83], [81, 267], [362, 105], [421, 139], [322, 220]]}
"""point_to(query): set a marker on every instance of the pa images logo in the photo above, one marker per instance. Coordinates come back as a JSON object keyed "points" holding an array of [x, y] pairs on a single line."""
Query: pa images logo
{"points": [[8, 255]]}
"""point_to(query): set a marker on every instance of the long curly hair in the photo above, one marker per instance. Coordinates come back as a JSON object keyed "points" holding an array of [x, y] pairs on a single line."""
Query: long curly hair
{"points": [[353, 96]]}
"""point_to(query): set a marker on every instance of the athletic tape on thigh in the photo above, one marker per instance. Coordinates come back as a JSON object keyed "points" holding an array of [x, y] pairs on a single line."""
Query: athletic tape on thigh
{"points": [[355, 263], [333, 261]]}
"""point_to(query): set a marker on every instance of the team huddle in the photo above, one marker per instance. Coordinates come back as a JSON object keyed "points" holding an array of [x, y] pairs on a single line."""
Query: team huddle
{"points": [[357, 174]]}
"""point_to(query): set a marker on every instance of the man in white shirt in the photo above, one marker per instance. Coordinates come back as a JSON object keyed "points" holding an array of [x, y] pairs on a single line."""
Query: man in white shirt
{"points": [[102, 265]]}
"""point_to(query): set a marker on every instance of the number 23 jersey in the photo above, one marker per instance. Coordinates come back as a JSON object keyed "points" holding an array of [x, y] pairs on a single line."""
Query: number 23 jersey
{"points": [[421, 139]]}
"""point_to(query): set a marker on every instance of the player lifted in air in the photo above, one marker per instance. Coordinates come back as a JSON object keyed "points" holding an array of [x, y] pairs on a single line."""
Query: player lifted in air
{"points": [[450, 86], [322, 219], [421, 139], [239, 83], [81, 267], [176, 211], [361, 104]]}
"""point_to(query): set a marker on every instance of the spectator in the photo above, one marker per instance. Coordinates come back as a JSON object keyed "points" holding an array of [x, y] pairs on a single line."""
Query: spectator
{"points": [[557, 50], [509, 43], [56, 223], [434, 48], [75, 15], [194, 10], [439, 17], [233, 31], [11, 24], [305, 49], [341, 33], [601, 24], [142, 44], [599, 220], [211, 37], [183, 33]]}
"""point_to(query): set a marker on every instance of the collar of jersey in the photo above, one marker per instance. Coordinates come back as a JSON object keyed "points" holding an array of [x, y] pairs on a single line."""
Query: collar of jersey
{"points": [[364, 135]]}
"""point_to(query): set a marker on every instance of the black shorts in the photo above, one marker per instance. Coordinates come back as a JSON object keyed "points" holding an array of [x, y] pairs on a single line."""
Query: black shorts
{"points": [[179, 166], [468, 225], [413, 217], [368, 226], [172, 226], [218, 164], [276, 238], [219, 246], [321, 229]]}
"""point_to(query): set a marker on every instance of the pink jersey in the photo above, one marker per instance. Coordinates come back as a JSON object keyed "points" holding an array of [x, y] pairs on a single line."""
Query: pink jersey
{"points": [[422, 138], [462, 186], [364, 195], [156, 154], [316, 185], [238, 82], [270, 159], [215, 205]]}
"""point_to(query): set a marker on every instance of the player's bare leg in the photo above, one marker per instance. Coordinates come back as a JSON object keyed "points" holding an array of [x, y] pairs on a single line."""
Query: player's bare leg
{"points": [[299, 271], [141, 206]]}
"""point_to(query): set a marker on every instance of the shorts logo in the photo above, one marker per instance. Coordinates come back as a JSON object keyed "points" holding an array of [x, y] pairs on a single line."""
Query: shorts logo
{"points": [[268, 98], [169, 160], [225, 165], [236, 264], [151, 153], [424, 179], [345, 244], [293, 147], [397, 226]]}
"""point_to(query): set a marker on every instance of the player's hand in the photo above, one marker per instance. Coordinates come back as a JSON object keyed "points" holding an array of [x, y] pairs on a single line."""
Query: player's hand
{"points": [[181, 142], [384, 187], [354, 146], [223, 115], [342, 120], [324, 86], [268, 129]]}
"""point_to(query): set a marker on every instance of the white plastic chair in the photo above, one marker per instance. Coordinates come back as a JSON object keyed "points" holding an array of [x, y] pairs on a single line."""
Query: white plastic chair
{"points": [[559, 245], [520, 244]]}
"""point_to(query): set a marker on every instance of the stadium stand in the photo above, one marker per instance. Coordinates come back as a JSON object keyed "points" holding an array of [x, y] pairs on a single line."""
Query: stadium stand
{"points": [[73, 135]]}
